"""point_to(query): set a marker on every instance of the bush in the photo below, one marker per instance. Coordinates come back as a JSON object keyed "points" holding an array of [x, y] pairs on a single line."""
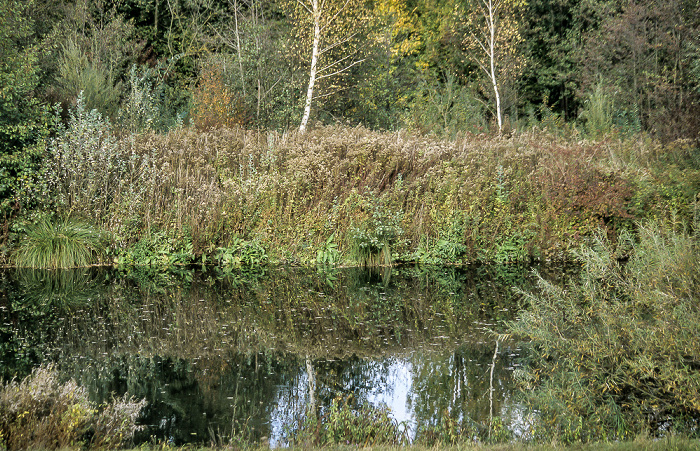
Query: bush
{"points": [[87, 165], [42, 413], [616, 355]]}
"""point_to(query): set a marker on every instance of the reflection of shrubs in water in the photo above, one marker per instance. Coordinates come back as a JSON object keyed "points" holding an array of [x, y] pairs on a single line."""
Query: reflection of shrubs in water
{"points": [[451, 431], [42, 413], [346, 424]]}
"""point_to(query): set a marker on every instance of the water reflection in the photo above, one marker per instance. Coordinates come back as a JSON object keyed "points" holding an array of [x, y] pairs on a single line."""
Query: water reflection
{"points": [[219, 355]]}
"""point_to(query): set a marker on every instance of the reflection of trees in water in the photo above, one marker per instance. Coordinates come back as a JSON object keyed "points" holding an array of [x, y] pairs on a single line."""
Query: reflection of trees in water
{"points": [[186, 404], [223, 346], [457, 384]]}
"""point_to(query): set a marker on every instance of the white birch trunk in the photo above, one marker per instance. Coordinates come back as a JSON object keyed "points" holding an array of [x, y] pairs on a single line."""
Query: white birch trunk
{"points": [[311, 375], [492, 58], [314, 66]]}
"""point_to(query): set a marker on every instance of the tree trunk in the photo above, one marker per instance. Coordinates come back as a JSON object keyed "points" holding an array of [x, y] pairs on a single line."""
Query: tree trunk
{"points": [[311, 374], [314, 66], [492, 58]]}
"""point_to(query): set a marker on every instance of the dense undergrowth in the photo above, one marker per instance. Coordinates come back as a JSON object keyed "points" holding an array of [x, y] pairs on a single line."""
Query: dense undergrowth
{"points": [[615, 355], [343, 195], [43, 412]]}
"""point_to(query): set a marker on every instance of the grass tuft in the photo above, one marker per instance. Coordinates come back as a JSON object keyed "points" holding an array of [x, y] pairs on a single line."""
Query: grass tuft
{"points": [[60, 244]]}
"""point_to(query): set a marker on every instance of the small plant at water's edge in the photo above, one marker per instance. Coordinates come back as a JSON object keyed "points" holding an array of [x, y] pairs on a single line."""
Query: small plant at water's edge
{"points": [[241, 253], [328, 253], [63, 243], [373, 241], [158, 249], [40, 412]]}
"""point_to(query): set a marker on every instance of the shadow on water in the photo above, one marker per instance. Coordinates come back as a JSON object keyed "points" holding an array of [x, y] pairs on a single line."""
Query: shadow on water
{"points": [[243, 354]]}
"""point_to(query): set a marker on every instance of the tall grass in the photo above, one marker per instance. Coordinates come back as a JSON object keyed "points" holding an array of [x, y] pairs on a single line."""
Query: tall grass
{"points": [[532, 195], [617, 355], [58, 244]]}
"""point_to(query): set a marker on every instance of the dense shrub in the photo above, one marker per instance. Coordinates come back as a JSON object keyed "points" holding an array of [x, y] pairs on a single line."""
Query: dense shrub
{"points": [[40, 412], [617, 355]]}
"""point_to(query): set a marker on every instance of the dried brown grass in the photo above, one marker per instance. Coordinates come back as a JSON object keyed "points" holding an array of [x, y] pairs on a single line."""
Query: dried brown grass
{"points": [[293, 191]]}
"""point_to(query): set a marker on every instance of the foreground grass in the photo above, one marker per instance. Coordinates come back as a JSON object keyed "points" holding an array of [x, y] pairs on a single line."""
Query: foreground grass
{"points": [[639, 444]]}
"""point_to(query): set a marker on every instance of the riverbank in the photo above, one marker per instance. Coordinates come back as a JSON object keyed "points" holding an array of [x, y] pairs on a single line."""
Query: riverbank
{"points": [[350, 196]]}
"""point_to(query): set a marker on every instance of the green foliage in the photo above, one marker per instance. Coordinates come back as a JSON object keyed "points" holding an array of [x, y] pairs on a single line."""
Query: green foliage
{"points": [[615, 355], [449, 247], [374, 239], [602, 117], [40, 412], [158, 248], [446, 108], [62, 243], [241, 253], [328, 253], [23, 120], [93, 82], [348, 424], [150, 103], [424, 199], [86, 165], [450, 431]]}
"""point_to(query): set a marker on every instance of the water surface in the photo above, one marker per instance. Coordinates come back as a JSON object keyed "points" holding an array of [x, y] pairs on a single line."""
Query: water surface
{"points": [[217, 354]]}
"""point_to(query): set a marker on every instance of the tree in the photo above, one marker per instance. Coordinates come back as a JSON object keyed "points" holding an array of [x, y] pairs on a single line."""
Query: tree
{"points": [[641, 53], [551, 33], [492, 40], [253, 59], [335, 27], [22, 117]]}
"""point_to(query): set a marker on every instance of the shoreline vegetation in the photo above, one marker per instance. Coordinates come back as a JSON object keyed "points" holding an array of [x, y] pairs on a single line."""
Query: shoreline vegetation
{"points": [[165, 134], [339, 195]]}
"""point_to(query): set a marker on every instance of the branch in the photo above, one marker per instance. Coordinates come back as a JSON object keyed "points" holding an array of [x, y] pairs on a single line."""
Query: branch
{"points": [[335, 15], [355, 63], [336, 62], [305, 7], [336, 44], [271, 87]]}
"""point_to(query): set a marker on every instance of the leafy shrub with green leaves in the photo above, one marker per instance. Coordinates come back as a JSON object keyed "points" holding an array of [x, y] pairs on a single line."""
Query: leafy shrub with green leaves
{"points": [[157, 248], [87, 165], [374, 239], [328, 254], [41, 412], [92, 81], [241, 253], [23, 119], [616, 354], [150, 103]]}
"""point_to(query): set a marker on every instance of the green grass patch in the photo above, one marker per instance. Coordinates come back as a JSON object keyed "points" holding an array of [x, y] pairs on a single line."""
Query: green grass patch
{"points": [[56, 244]]}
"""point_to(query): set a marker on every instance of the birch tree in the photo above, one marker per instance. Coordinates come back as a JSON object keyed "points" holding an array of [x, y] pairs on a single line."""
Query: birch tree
{"points": [[492, 40], [331, 29]]}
